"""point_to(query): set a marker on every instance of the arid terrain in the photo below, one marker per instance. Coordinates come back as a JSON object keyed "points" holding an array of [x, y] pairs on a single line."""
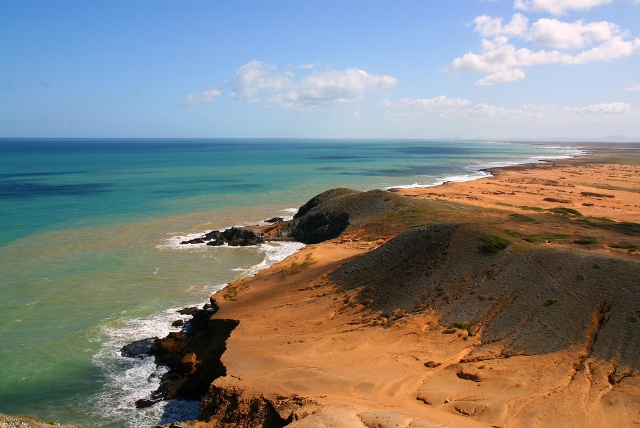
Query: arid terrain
{"points": [[511, 301]]}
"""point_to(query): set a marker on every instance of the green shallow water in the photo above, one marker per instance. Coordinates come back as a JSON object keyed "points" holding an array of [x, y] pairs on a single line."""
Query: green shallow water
{"points": [[89, 259]]}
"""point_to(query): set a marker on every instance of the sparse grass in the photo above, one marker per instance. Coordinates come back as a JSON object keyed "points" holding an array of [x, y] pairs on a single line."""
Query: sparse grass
{"points": [[297, 268], [234, 291], [504, 204], [545, 237], [375, 238], [493, 244], [511, 233], [557, 201], [566, 211], [596, 195], [587, 240], [625, 246], [462, 326], [522, 218], [624, 227], [536, 209]]}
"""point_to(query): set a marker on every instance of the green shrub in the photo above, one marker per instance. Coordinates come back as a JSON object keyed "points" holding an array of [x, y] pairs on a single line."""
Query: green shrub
{"points": [[545, 237], [493, 244], [536, 209], [625, 246], [566, 211], [462, 325], [557, 201], [521, 217], [588, 240]]}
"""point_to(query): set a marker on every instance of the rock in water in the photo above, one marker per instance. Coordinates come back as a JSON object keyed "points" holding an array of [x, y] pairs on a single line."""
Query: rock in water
{"points": [[139, 348]]}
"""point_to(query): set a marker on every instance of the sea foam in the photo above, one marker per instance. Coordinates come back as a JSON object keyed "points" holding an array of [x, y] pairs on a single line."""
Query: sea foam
{"points": [[128, 379]]}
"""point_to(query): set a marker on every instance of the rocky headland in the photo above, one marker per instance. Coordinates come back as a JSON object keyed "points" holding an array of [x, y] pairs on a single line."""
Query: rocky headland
{"points": [[509, 301]]}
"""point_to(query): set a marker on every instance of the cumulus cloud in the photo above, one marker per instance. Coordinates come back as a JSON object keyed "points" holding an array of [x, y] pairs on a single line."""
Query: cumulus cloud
{"points": [[259, 81], [206, 97], [493, 27], [571, 35], [439, 104], [557, 7], [570, 42], [502, 77], [604, 108]]}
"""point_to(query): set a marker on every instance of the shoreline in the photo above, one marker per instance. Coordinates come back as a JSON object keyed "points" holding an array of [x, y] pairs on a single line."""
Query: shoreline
{"points": [[298, 331], [178, 225], [356, 246]]}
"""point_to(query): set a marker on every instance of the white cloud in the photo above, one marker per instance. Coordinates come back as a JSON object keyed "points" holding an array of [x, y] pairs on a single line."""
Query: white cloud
{"points": [[256, 76], [571, 35], [205, 97], [439, 104], [502, 77], [557, 7], [490, 111], [635, 87], [492, 27], [502, 61], [259, 81], [604, 108], [613, 49]]}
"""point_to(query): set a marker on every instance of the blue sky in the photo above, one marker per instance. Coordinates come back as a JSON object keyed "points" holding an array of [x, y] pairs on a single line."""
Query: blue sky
{"points": [[320, 69]]}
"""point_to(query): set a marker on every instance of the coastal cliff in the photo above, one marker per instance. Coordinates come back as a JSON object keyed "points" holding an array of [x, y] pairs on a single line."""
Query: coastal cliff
{"points": [[426, 312]]}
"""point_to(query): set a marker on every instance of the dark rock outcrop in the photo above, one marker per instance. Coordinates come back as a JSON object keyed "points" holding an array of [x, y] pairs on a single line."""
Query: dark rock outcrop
{"points": [[193, 357], [330, 213], [235, 237], [139, 348], [323, 217], [274, 220], [229, 406]]}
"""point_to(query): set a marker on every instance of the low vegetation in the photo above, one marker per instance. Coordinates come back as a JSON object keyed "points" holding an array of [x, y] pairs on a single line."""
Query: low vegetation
{"points": [[596, 195], [625, 246], [297, 268], [493, 244], [558, 201], [545, 237], [522, 218], [462, 326], [234, 291], [587, 240], [536, 209], [566, 211]]}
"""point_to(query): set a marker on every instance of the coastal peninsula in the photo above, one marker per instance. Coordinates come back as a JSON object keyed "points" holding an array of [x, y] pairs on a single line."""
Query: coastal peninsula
{"points": [[508, 301]]}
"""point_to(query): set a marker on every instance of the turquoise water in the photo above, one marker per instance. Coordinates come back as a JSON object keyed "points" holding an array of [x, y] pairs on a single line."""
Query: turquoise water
{"points": [[90, 259]]}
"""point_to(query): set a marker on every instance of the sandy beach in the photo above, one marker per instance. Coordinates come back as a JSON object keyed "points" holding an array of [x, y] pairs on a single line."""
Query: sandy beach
{"points": [[319, 345]]}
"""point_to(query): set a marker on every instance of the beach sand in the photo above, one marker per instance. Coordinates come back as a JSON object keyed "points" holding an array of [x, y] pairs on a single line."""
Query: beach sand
{"points": [[322, 359]]}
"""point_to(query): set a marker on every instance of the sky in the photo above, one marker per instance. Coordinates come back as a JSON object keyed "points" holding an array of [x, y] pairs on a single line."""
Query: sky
{"points": [[405, 69]]}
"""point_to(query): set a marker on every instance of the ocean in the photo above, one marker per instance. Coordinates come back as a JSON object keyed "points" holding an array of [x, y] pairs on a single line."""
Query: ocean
{"points": [[90, 258]]}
